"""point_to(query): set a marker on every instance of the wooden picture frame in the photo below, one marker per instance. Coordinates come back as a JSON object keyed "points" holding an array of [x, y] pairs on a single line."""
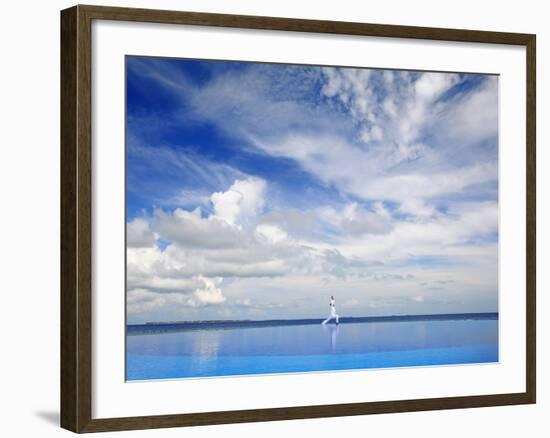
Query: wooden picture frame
{"points": [[76, 217]]}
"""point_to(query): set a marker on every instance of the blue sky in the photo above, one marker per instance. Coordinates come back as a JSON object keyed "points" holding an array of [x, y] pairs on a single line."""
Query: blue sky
{"points": [[256, 191]]}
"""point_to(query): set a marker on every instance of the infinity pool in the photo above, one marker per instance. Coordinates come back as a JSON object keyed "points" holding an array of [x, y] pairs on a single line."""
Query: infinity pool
{"points": [[309, 347]]}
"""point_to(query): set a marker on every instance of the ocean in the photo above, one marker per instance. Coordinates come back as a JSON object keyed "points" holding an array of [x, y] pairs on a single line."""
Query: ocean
{"points": [[230, 348]]}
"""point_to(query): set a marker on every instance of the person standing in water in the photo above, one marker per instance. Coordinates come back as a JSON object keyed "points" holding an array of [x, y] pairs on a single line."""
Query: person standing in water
{"points": [[333, 314]]}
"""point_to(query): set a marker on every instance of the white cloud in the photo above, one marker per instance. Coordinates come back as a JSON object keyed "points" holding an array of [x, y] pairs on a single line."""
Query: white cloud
{"points": [[153, 281], [393, 110], [138, 234], [417, 187], [431, 86], [472, 117], [209, 293], [190, 229], [417, 208], [143, 300], [227, 205], [242, 201], [271, 233], [293, 221], [350, 86], [205, 253], [185, 276], [440, 237], [354, 220]]}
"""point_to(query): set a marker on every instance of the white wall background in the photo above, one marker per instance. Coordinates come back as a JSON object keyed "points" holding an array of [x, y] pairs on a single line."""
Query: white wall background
{"points": [[29, 219]]}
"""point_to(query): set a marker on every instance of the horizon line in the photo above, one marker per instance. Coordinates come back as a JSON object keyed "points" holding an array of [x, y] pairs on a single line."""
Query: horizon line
{"points": [[342, 318]]}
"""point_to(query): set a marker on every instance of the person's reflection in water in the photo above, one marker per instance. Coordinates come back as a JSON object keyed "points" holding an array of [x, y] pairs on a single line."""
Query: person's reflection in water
{"points": [[333, 333]]}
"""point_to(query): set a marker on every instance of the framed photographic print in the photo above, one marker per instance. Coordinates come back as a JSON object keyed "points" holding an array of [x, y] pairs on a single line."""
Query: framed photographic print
{"points": [[268, 218]]}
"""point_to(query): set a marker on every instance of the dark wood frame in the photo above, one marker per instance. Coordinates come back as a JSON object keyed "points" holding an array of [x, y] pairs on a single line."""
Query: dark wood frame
{"points": [[76, 218]]}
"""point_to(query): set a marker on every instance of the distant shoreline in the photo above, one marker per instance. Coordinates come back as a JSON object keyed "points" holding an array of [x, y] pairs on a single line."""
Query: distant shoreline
{"points": [[162, 327]]}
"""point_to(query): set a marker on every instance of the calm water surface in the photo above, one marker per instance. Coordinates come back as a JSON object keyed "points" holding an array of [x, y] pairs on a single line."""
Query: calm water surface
{"points": [[311, 347]]}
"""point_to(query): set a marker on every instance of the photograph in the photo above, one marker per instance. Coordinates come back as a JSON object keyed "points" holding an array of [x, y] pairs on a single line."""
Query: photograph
{"points": [[300, 218]]}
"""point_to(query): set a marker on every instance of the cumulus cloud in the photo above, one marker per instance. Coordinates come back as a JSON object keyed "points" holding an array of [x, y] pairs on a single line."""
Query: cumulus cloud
{"points": [[271, 233], [190, 271], [191, 229], [141, 300], [242, 201], [294, 221], [209, 293], [139, 234]]}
